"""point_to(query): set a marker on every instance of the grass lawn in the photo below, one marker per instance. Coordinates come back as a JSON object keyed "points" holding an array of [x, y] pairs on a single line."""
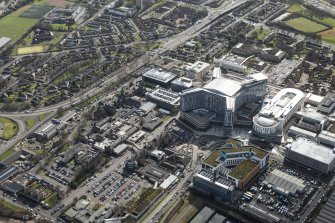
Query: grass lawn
{"points": [[296, 8], [31, 49], [328, 36], [51, 200], [58, 36], [13, 26], [242, 170], [305, 25], [7, 154], [63, 27], [138, 204], [327, 21], [166, 118], [10, 206], [43, 116], [9, 128], [30, 122], [261, 33]]}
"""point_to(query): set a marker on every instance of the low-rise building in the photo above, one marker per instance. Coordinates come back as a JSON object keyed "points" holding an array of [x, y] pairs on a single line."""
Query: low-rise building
{"points": [[120, 149], [181, 84], [270, 121], [231, 65], [312, 121], [327, 138], [312, 155], [284, 183], [4, 42], [327, 105], [197, 70], [229, 168], [164, 98], [158, 77]]}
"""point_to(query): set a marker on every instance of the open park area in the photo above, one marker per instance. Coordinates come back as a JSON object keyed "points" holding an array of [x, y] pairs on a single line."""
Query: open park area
{"points": [[8, 128]]}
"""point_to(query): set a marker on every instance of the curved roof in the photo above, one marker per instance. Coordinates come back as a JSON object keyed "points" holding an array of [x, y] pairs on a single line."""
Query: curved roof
{"points": [[224, 86], [265, 121]]}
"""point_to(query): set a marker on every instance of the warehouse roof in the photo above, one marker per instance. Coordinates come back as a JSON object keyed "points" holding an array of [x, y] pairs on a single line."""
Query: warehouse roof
{"points": [[284, 182], [313, 150], [327, 213]]}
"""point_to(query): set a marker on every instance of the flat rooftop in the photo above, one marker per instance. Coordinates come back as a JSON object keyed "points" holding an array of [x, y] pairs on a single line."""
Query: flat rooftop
{"points": [[165, 95], [224, 86], [279, 107], [230, 148], [284, 182], [313, 150], [159, 75]]}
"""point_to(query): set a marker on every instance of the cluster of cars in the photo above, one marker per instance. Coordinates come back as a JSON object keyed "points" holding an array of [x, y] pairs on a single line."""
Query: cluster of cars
{"points": [[57, 177], [291, 207], [124, 191], [113, 189], [105, 186]]}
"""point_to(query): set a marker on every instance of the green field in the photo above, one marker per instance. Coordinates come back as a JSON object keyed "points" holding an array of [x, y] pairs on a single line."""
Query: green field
{"points": [[31, 49], [10, 206], [328, 36], [63, 27], [7, 154], [260, 33], [43, 116], [295, 8], [14, 26], [305, 25], [25, 46], [30, 122], [8, 128], [51, 200]]}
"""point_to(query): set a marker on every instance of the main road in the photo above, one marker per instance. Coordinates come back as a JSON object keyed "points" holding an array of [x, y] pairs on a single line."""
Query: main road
{"points": [[116, 76]]}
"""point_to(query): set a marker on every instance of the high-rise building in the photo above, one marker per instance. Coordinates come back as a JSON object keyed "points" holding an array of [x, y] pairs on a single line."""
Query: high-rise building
{"points": [[220, 98]]}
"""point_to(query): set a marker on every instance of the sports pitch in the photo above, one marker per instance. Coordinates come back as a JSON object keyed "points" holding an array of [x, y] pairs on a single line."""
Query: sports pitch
{"points": [[36, 11], [31, 50], [305, 25], [14, 26]]}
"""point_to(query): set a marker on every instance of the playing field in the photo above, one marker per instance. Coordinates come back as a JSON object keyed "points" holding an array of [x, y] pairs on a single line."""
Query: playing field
{"points": [[296, 8], [328, 36], [59, 3], [31, 49], [14, 26], [36, 11], [305, 25]]}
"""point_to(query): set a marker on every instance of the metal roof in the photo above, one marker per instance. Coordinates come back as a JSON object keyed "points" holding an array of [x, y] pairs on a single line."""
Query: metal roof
{"points": [[284, 182], [313, 150], [224, 86], [168, 181], [327, 213], [159, 75], [4, 41]]}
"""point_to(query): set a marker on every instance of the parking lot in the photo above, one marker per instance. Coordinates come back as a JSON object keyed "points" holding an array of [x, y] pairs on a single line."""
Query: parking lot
{"points": [[290, 208]]}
